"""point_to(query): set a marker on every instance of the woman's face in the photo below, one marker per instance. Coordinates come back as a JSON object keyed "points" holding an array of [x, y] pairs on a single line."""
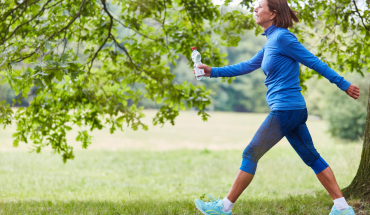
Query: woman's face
{"points": [[264, 17]]}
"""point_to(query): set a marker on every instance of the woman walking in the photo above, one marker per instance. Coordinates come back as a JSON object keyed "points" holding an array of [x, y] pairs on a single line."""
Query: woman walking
{"points": [[279, 60]]}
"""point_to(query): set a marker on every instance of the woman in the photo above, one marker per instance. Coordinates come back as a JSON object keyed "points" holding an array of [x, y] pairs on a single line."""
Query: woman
{"points": [[279, 60]]}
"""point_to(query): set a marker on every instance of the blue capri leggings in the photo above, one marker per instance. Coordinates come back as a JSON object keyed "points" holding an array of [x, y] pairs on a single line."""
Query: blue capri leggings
{"points": [[280, 123]]}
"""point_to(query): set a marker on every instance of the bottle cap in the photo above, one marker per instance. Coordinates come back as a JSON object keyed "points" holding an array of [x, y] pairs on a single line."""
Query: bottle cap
{"points": [[193, 48]]}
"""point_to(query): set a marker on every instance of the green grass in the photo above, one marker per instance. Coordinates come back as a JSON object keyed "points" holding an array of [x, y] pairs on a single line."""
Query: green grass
{"points": [[114, 179], [302, 204], [101, 181]]}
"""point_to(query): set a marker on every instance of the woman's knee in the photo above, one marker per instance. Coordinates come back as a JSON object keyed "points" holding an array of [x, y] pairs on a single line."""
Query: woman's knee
{"points": [[248, 166], [319, 165]]}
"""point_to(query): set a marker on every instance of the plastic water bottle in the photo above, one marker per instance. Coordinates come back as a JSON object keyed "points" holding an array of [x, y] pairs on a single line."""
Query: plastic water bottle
{"points": [[195, 56]]}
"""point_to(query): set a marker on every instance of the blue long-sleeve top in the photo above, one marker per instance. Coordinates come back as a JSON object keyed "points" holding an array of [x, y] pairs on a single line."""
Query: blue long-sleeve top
{"points": [[279, 60]]}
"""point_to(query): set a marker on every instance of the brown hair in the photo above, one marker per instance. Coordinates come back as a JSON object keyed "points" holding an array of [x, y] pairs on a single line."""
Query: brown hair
{"points": [[284, 15]]}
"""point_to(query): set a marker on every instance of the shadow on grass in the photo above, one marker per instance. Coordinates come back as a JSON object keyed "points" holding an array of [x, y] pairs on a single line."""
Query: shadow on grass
{"points": [[320, 203]]}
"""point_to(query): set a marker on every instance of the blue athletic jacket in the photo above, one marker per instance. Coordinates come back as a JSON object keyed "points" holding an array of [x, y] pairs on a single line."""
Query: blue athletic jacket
{"points": [[279, 60]]}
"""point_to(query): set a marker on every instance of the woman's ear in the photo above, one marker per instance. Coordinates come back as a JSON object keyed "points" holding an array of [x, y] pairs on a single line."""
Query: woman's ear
{"points": [[273, 15]]}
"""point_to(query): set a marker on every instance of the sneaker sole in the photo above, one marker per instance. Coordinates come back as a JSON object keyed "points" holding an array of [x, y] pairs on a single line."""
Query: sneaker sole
{"points": [[200, 209]]}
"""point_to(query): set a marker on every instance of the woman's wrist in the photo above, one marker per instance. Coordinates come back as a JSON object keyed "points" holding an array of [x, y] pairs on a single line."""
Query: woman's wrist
{"points": [[214, 72]]}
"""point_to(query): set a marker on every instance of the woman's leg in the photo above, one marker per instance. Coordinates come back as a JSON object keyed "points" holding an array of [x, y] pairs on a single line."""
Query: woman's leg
{"points": [[242, 180], [327, 179], [301, 141], [272, 130]]}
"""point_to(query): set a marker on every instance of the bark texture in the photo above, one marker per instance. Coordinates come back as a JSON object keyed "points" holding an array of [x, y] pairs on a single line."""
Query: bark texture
{"points": [[360, 186]]}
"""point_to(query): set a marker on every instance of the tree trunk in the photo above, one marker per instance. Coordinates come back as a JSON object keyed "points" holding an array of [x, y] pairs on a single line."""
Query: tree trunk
{"points": [[360, 186]]}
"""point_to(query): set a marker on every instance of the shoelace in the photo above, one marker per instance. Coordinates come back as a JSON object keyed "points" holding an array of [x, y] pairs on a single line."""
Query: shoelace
{"points": [[213, 202]]}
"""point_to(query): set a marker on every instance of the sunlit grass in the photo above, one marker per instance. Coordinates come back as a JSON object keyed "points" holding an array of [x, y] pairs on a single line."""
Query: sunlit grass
{"points": [[302, 204]]}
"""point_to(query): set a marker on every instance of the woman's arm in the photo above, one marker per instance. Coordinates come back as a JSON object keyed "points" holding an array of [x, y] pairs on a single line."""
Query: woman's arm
{"points": [[292, 48], [240, 68]]}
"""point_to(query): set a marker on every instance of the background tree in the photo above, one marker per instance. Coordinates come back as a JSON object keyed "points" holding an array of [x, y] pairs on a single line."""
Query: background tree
{"points": [[59, 42], [346, 118]]}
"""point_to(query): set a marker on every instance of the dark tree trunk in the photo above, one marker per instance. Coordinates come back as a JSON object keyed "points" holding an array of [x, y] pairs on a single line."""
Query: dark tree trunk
{"points": [[360, 186]]}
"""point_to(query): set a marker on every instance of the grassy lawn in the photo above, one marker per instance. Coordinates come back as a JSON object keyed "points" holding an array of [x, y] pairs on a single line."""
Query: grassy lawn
{"points": [[163, 170]]}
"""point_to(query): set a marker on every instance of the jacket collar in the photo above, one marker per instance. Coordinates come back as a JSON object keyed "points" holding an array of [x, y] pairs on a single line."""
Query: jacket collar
{"points": [[269, 30]]}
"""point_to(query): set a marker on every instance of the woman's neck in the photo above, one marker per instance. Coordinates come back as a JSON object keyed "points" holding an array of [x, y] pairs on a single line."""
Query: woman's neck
{"points": [[267, 25]]}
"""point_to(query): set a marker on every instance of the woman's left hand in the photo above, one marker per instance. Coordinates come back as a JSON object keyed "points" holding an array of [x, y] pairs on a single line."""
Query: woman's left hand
{"points": [[353, 91]]}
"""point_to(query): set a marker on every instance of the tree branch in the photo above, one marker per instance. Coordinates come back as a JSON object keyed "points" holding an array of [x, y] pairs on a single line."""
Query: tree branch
{"points": [[64, 28], [146, 36], [78, 45], [121, 46], [109, 33], [70, 22], [124, 50], [65, 43], [362, 19], [13, 21], [54, 4], [12, 10], [16, 29], [128, 55], [164, 20]]}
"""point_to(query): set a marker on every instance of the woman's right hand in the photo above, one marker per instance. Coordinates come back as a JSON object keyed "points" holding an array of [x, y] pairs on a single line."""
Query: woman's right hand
{"points": [[353, 91], [207, 69]]}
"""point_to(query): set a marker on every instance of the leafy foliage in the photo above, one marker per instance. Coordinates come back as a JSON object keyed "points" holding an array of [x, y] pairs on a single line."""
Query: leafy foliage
{"points": [[83, 59], [84, 69], [347, 122], [346, 117]]}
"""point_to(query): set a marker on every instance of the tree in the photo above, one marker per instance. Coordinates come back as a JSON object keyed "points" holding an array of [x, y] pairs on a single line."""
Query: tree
{"points": [[360, 186], [347, 118], [342, 30], [84, 59]]}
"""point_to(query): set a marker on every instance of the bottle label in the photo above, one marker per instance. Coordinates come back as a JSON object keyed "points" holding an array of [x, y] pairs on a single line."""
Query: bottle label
{"points": [[198, 72]]}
